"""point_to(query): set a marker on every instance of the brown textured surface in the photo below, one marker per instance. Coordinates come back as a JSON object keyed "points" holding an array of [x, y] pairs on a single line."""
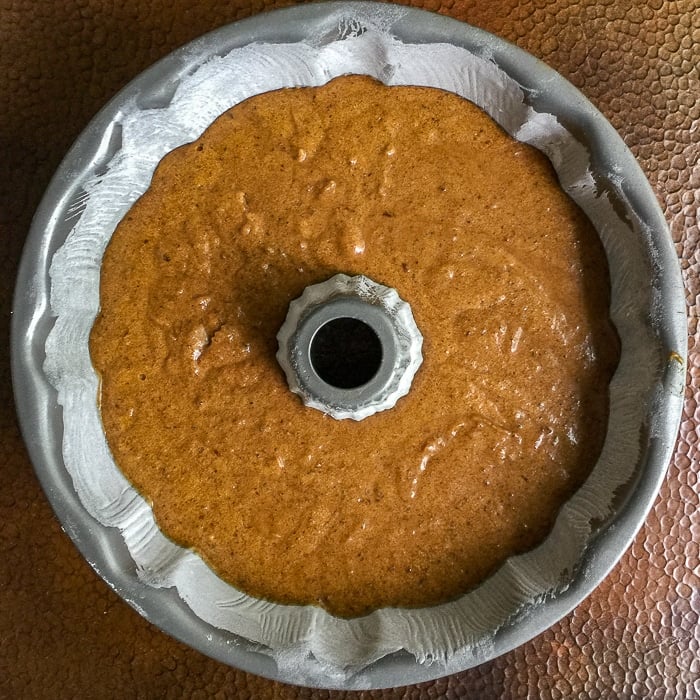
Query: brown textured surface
{"points": [[64, 634]]}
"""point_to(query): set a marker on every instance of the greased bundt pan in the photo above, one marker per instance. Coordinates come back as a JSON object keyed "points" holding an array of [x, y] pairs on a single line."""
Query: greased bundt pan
{"points": [[645, 250]]}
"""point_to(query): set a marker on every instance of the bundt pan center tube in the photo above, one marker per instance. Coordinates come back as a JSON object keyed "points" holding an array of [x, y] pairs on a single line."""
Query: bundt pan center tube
{"points": [[349, 347]]}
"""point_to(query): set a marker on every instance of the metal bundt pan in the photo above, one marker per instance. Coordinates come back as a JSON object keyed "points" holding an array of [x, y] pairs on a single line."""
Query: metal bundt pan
{"points": [[41, 416]]}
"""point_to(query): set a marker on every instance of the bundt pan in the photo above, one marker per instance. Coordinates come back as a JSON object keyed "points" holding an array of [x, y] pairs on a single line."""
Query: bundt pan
{"points": [[53, 378]]}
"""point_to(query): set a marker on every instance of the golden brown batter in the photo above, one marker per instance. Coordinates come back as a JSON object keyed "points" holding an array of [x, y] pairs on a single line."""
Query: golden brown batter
{"points": [[421, 191]]}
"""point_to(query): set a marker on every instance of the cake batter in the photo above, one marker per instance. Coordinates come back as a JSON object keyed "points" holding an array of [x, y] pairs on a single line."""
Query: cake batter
{"points": [[421, 191]]}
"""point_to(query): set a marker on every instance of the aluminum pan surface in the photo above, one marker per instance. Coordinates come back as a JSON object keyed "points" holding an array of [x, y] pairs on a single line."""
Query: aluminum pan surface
{"points": [[41, 417]]}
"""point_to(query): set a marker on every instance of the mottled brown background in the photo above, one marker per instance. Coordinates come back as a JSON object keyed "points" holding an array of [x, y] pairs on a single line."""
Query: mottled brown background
{"points": [[64, 634]]}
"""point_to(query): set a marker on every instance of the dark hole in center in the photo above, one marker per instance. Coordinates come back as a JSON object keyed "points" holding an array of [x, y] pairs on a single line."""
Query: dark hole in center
{"points": [[346, 353]]}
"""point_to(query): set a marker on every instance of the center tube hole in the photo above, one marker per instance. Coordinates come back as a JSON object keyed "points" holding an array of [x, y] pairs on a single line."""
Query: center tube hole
{"points": [[346, 353]]}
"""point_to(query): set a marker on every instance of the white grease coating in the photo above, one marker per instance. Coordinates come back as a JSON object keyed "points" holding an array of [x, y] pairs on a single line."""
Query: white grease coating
{"points": [[309, 645]]}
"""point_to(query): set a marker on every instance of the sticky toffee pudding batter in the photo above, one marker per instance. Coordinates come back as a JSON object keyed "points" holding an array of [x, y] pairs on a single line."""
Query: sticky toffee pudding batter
{"points": [[421, 191]]}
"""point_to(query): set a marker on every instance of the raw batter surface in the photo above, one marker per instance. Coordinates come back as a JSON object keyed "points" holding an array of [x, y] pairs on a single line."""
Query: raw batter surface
{"points": [[421, 191]]}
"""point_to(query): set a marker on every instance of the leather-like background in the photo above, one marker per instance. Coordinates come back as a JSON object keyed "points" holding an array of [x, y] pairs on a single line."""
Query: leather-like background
{"points": [[64, 634]]}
